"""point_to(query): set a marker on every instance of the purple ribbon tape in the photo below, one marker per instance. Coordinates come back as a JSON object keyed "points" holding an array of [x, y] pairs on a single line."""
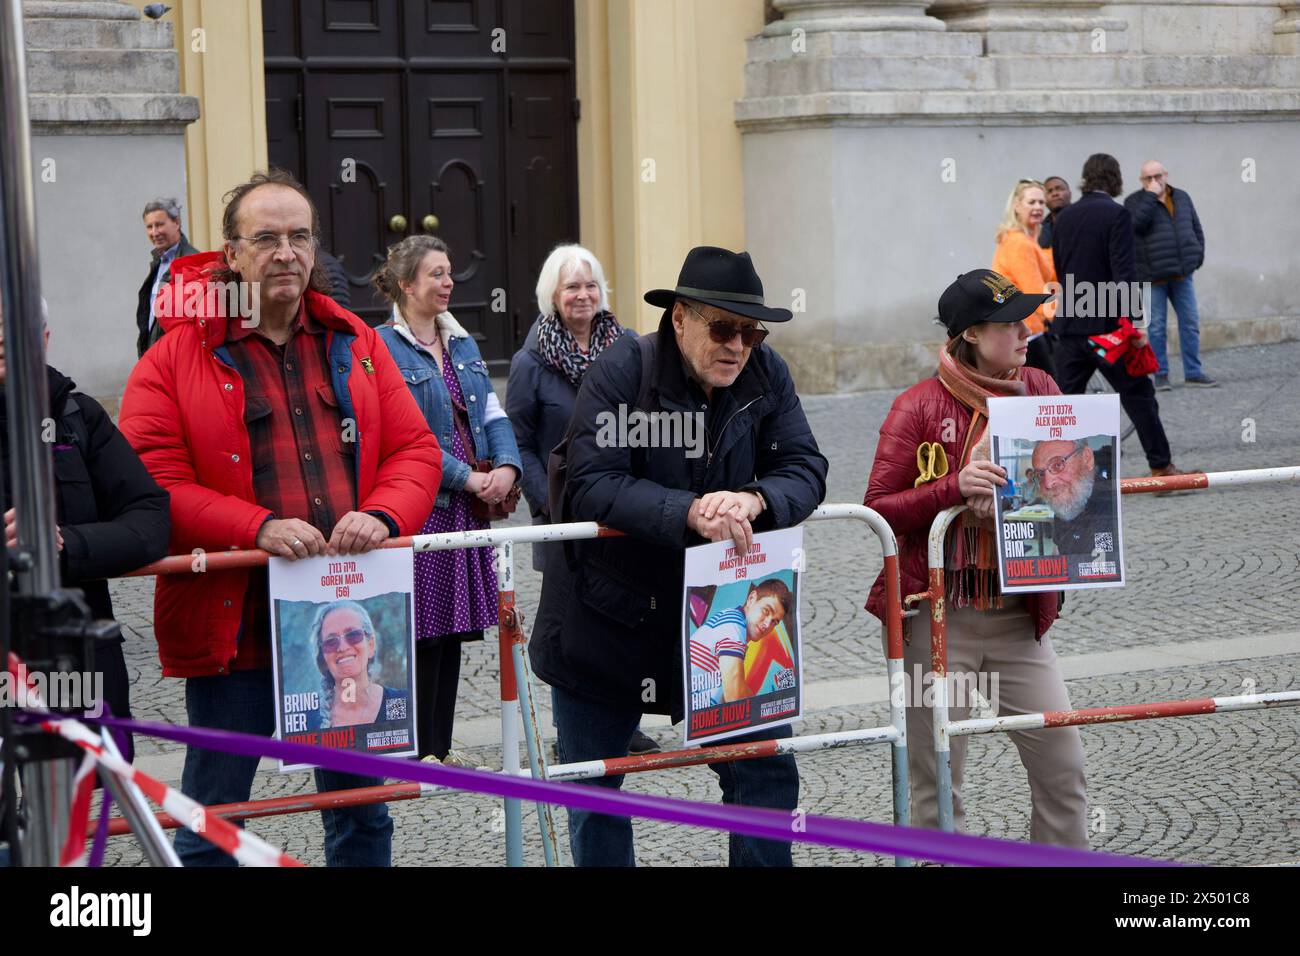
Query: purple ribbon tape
{"points": [[759, 822]]}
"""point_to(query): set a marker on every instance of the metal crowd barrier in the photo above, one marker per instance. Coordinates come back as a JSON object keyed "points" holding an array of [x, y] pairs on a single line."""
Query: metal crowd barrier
{"points": [[518, 698], [945, 729]]}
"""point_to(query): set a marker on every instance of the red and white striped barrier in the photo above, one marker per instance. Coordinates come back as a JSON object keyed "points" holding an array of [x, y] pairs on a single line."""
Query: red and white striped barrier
{"points": [[945, 729], [245, 847]]}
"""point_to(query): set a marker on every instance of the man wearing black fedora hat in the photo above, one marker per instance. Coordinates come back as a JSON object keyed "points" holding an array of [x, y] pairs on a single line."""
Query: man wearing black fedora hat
{"points": [[608, 632]]}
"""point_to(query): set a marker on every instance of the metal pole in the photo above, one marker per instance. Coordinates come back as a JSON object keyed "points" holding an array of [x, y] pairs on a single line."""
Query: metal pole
{"points": [[48, 785], [148, 831], [514, 825], [536, 755]]}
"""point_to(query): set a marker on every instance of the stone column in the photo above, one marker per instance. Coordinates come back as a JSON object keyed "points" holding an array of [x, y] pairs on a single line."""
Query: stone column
{"points": [[108, 135], [1028, 26], [1286, 32], [822, 15]]}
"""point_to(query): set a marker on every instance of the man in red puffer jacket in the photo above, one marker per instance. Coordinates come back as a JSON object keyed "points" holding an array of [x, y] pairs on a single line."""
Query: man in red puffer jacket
{"points": [[292, 432]]}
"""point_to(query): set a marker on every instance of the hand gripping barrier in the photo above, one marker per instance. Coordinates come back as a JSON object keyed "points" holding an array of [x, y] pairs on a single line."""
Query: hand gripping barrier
{"points": [[945, 729], [518, 699]]}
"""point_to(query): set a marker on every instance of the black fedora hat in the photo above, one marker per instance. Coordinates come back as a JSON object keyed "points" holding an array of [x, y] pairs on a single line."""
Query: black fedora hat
{"points": [[723, 279]]}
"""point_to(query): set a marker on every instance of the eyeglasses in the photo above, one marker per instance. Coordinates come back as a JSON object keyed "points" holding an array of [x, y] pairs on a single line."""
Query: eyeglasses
{"points": [[270, 242], [353, 636], [722, 331], [1054, 466]]}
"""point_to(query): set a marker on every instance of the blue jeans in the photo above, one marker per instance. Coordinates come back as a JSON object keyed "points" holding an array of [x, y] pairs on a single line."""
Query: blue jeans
{"points": [[244, 702], [1183, 295], [592, 731]]}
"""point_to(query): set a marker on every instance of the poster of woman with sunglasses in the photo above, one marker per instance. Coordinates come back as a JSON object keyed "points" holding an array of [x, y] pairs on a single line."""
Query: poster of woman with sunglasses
{"points": [[1058, 511], [343, 643]]}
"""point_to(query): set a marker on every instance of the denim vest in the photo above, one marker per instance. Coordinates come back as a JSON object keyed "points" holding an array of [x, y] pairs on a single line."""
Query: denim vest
{"points": [[493, 440]]}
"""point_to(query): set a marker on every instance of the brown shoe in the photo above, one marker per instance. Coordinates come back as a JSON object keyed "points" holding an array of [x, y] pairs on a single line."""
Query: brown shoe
{"points": [[1168, 471]]}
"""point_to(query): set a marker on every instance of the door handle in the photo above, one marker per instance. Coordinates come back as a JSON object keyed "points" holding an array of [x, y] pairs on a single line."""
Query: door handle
{"points": [[430, 223], [397, 223]]}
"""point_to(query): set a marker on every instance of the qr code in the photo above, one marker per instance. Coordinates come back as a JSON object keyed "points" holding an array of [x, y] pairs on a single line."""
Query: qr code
{"points": [[1103, 542], [395, 708], [785, 679]]}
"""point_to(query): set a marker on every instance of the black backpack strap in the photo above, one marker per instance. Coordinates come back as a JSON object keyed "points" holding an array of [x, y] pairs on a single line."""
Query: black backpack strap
{"points": [[647, 344]]}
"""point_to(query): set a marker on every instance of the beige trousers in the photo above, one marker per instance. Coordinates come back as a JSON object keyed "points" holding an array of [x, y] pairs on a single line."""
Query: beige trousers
{"points": [[988, 644]]}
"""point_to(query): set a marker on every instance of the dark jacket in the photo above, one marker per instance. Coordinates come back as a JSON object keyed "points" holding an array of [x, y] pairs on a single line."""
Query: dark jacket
{"points": [[113, 516], [926, 413], [144, 336], [1093, 242], [340, 291], [1168, 247], [1047, 230], [539, 403], [610, 628]]}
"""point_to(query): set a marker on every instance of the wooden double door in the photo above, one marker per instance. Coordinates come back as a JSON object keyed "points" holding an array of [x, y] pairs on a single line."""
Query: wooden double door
{"points": [[453, 117]]}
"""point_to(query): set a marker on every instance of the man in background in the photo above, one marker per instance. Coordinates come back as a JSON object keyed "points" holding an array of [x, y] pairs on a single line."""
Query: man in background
{"points": [[162, 224]]}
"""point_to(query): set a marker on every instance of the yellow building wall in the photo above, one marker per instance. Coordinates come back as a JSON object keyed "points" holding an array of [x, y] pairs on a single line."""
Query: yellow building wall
{"points": [[659, 154], [220, 47]]}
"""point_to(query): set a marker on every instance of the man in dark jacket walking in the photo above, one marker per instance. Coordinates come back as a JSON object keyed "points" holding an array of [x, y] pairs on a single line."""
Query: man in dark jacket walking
{"points": [[1093, 251], [1170, 247], [1058, 197], [112, 516], [162, 223], [608, 633]]}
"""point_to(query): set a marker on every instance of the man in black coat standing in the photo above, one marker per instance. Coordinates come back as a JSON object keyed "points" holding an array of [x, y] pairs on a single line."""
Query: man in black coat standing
{"points": [[1092, 247], [609, 626], [162, 223], [1170, 247], [112, 516]]}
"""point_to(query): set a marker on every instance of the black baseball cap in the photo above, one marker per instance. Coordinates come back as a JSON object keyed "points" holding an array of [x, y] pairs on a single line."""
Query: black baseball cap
{"points": [[983, 295]]}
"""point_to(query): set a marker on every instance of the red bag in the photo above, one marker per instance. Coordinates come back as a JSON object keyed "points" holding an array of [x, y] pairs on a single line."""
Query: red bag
{"points": [[1117, 346]]}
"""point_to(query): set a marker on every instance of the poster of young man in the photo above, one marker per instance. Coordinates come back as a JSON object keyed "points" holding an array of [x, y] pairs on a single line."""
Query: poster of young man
{"points": [[343, 644], [741, 636], [1058, 516]]}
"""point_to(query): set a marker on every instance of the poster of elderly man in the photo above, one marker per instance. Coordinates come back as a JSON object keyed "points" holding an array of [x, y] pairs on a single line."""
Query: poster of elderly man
{"points": [[1058, 512], [343, 643]]}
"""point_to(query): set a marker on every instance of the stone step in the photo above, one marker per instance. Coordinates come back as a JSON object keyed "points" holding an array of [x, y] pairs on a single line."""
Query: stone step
{"points": [[50, 34], [866, 43], [803, 73], [79, 10], [103, 71], [1147, 72]]}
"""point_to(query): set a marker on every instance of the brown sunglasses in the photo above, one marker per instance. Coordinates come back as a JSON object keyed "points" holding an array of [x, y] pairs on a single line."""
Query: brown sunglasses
{"points": [[722, 331]]}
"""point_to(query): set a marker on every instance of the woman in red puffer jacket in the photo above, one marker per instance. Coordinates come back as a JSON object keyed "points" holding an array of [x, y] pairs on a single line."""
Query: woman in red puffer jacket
{"points": [[998, 640]]}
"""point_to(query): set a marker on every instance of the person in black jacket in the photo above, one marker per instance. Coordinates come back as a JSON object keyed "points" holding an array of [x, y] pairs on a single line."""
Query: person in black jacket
{"points": [[608, 632], [162, 223], [1093, 249], [112, 516], [1058, 197], [1170, 247]]}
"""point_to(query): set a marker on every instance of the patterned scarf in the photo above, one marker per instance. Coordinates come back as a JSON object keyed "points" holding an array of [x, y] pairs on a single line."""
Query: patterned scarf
{"points": [[972, 566], [560, 349]]}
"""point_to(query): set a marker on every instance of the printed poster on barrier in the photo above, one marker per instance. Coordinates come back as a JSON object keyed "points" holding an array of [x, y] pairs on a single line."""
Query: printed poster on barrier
{"points": [[742, 658], [1058, 516], [343, 646]]}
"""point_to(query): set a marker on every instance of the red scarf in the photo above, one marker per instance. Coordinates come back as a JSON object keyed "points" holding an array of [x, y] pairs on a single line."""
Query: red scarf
{"points": [[972, 567]]}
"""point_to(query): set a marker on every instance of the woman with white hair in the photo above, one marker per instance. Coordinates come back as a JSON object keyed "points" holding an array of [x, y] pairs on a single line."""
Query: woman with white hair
{"points": [[575, 326]]}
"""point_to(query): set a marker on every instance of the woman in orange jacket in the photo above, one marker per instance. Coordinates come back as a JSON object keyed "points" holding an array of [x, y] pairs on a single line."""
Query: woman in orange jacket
{"points": [[1029, 266]]}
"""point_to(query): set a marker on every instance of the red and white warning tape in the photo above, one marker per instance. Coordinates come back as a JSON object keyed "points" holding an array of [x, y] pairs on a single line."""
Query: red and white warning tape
{"points": [[242, 845]]}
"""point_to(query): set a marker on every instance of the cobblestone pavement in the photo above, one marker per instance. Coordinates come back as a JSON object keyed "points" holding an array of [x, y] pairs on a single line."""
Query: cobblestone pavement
{"points": [[1200, 565]]}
